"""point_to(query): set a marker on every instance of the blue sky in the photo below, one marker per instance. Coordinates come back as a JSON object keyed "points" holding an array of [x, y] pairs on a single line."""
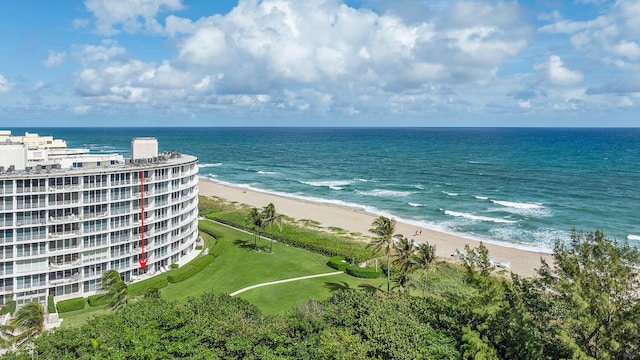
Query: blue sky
{"points": [[319, 63]]}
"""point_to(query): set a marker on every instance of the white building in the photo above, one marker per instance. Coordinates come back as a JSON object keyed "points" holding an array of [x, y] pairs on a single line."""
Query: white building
{"points": [[67, 216]]}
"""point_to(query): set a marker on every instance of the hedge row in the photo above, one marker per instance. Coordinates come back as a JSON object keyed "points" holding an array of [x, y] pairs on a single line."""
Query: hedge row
{"points": [[190, 269], [51, 305], [338, 263], [316, 241], [97, 300], [71, 305], [366, 273], [141, 287], [218, 248], [209, 228]]}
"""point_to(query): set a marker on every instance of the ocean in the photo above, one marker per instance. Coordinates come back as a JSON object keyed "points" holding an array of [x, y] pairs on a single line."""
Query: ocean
{"points": [[517, 187]]}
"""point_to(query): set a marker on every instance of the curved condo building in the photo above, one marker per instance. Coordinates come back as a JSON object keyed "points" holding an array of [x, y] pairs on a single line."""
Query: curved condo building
{"points": [[68, 215]]}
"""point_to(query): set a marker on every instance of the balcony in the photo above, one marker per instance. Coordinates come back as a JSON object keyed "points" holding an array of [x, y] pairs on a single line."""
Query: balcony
{"points": [[65, 264], [68, 280]]}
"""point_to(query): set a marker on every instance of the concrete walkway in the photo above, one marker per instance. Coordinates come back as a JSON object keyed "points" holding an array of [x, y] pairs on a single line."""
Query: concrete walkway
{"points": [[284, 281]]}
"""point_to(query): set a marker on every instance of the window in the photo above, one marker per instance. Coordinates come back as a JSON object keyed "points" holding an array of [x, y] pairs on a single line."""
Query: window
{"points": [[23, 266], [91, 285]]}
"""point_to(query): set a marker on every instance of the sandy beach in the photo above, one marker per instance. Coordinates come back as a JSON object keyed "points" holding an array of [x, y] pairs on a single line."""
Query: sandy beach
{"points": [[523, 262]]}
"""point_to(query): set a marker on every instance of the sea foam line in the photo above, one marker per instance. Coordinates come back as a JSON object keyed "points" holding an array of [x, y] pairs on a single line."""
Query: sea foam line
{"points": [[384, 193], [633, 237], [477, 217], [332, 184], [517, 205]]}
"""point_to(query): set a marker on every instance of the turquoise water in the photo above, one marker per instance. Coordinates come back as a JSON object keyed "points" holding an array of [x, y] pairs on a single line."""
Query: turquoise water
{"points": [[525, 187]]}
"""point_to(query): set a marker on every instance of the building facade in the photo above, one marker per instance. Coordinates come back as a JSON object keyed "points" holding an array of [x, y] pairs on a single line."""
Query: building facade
{"points": [[68, 216]]}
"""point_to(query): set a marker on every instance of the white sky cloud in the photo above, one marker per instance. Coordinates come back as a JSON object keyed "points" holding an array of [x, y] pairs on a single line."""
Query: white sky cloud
{"points": [[131, 15], [5, 85], [54, 58], [558, 74], [325, 58], [36, 87], [320, 50]]}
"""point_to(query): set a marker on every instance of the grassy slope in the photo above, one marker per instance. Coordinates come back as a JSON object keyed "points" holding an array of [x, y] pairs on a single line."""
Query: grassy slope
{"points": [[241, 266]]}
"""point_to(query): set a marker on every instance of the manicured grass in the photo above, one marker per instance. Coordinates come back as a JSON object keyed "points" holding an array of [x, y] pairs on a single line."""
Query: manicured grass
{"points": [[278, 298], [79, 317], [241, 266]]}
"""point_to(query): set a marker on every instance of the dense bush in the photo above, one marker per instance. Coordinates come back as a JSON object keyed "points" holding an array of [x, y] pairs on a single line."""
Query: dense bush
{"points": [[366, 273], [351, 325], [71, 305], [51, 305], [338, 263], [97, 300], [190, 269], [9, 307], [141, 287], [174, 265]]}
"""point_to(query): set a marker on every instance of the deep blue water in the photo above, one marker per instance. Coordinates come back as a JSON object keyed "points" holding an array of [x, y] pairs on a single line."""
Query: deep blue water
{"points": [[522, 186]]}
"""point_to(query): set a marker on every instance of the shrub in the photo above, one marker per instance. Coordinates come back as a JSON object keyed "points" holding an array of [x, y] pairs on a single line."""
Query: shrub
{"points": [[365, 273], [199, 247], [71, 304], [140, 288], [51, 305], [338, 263], [97, 300], [9, 307], [175, 266], [218, 248], [192, 268]]}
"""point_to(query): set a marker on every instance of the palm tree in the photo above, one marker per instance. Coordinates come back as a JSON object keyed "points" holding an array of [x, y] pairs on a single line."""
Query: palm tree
{"points": [[403, 281], [256, 221], [30, 320], [383, 229], [424, 258], [404, 253], [115, 290], [271, 218], [403, 261]]}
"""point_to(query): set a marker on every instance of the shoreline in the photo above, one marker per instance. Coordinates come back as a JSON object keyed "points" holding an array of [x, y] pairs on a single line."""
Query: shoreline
{"points": [[523, 262]]}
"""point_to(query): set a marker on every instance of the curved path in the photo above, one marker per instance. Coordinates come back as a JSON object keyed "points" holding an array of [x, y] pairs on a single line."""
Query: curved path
{"points": [[270, 282], [284, 281]]}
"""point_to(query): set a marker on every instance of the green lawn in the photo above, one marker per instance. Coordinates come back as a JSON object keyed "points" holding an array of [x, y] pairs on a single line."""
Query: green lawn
{"points": [[275, 299], [79, 317], [240, 266]]}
